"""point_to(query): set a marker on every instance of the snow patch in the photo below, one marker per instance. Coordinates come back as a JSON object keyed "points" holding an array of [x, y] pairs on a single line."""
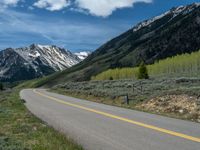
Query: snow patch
{"points": [[83, 55], [43, 46], [3, 71], [35, 55], [175, 12]]}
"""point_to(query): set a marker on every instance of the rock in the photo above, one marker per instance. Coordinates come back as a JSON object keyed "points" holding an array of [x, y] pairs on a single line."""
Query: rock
{"points": [[181, 111], [35, 128]]}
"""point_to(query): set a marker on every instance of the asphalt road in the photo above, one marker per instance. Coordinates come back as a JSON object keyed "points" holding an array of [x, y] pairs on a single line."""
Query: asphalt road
{"points": [[101, 127]]}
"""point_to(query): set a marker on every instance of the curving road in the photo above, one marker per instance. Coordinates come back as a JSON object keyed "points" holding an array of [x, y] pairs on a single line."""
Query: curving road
{"points": [[101, 127]]}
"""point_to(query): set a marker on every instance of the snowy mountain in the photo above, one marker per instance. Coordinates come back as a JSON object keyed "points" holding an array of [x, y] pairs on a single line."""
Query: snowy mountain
{"points": [[181, 10], [83, 55], [34, 61]]}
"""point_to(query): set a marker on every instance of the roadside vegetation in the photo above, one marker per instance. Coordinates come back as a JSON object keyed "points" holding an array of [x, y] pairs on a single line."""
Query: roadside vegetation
{"points": [[176, 97], [20, 130], [186, 65]]}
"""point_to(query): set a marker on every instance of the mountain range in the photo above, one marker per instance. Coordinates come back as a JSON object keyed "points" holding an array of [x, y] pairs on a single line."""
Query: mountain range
{"points": [[171, 33], [34, 61]]}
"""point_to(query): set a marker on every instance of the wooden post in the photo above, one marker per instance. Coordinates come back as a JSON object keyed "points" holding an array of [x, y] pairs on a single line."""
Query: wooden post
{"points": [[126, 99]]}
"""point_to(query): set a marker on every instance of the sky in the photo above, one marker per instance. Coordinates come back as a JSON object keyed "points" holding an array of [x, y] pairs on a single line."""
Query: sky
{"points": [[76, 25]]}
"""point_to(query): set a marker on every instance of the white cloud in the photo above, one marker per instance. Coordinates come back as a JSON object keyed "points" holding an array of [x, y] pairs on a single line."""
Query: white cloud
{"points": [[52, 5], [6, 3], [9, 2], [102, 8], [105, 8]]}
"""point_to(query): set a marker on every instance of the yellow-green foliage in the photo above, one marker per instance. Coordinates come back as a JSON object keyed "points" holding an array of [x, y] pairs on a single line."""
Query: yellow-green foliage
{"points": [[186, 64], [180, 65], [124, 73]]}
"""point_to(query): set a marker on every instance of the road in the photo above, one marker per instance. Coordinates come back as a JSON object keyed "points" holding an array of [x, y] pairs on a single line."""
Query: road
{"points": [[101, 127]]}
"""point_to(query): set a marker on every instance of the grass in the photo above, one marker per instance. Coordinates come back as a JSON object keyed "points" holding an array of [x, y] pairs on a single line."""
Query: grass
{"points": [[20, 130], [139, 91]]}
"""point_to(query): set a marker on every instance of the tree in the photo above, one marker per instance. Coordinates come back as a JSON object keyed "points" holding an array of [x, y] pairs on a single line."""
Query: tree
{"points": [[143, 72], [111, 78], [1, 86]]}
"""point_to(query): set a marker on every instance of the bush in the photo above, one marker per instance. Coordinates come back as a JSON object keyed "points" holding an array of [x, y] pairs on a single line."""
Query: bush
{"points": [[143, 72], [1, 87]]}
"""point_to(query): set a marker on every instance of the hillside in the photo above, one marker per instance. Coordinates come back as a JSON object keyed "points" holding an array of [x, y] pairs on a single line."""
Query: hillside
{"points": [[33, 62], [174, 32]]}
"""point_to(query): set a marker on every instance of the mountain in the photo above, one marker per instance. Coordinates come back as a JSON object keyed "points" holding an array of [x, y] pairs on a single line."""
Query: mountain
{"points": [[34, 61], [173, 32], [83, 55]]}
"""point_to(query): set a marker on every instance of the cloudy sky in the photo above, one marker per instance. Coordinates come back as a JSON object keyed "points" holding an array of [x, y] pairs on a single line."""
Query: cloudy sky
{"points": [[73, 24]]}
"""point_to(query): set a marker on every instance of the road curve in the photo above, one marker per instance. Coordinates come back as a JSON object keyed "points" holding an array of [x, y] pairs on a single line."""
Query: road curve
{"points": [[101, 127]]}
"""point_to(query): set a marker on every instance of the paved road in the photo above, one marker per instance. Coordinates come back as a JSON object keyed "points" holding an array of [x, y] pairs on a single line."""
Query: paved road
{"points": [[101, 127]]}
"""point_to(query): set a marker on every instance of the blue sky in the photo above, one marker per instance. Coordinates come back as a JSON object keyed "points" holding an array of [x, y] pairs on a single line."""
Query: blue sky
{"points": [[74, 24]]}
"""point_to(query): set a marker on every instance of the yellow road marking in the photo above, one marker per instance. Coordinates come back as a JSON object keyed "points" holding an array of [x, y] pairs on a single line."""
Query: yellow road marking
{"points": [[191, 138]]}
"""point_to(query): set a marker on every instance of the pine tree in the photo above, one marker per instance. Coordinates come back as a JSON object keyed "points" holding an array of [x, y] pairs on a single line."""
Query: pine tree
{"points": [[143, 72]]}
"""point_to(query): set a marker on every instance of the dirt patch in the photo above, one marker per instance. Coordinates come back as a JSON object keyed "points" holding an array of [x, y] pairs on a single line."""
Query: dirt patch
{"points": [[187, 107]]}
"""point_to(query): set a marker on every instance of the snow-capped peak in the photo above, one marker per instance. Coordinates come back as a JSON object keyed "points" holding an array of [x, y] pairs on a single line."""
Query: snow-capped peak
{"points": [[35, 54], [49, 55], [83, 55], [43, 46], [34, 61]]}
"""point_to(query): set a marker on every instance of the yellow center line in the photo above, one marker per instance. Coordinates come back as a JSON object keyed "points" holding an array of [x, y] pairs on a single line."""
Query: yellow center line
{"points": [[191, 138]]}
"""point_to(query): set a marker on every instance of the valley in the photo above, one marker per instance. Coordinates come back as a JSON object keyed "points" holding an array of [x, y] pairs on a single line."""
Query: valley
{"points": [[139, 90], [110, 72]]}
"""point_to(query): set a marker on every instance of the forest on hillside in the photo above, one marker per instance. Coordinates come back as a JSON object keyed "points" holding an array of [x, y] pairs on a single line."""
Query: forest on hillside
{"points": [[185, 65]]}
